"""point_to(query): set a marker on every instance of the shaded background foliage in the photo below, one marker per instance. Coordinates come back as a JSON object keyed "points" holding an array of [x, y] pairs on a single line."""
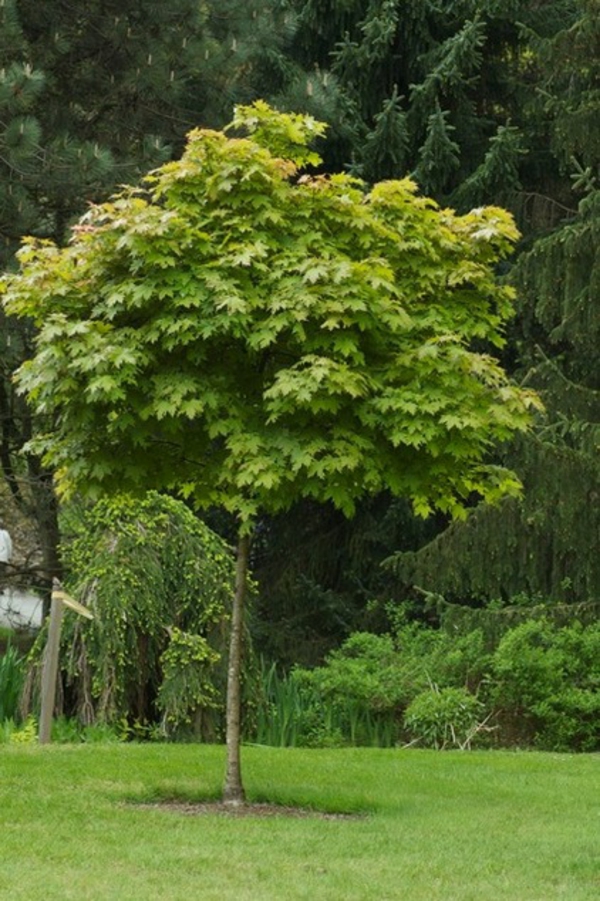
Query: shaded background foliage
{"points": [[493, 101], [517, 676]]}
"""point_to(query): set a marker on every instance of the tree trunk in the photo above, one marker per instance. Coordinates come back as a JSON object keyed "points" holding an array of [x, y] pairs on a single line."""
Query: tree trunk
{"points": [[233, 791]]}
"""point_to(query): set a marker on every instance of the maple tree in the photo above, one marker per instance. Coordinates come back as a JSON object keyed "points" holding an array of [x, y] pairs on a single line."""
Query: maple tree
{"points": [[244, 335]]}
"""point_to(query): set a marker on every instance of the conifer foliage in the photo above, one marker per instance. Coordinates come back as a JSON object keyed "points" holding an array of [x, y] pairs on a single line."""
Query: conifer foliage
{"points": [[442, 91], [545, 544], [94, 94]]}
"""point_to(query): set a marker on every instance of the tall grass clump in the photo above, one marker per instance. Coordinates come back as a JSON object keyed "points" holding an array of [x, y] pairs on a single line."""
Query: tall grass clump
{"points": [[280, 709], [11, 683], [299, 709]]}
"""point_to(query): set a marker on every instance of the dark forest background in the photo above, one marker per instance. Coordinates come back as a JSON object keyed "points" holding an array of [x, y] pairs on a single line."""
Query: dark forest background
{"points": [[492, 102]]}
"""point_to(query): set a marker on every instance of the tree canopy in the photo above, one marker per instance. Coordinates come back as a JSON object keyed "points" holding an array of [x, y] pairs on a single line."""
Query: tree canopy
{"points": [[246, 337]]}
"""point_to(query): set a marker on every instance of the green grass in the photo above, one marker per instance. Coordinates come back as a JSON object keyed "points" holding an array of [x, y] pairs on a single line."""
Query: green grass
{"points": [[496, 826]]}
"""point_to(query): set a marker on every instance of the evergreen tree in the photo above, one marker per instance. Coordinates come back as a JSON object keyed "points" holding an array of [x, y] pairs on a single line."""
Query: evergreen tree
{"points": [[547, 543], [439, 157], [386, 146], [96, 95], [445, 88]]}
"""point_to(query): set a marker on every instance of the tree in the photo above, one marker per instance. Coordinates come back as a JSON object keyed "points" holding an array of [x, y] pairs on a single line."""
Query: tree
{"points": [[446, 85], [544, 544], [159, 582], [96, 94], [245, 336]]}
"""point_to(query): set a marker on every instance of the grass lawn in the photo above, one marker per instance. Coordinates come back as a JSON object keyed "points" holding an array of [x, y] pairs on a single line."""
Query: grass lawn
{"points": [[453, 826]]}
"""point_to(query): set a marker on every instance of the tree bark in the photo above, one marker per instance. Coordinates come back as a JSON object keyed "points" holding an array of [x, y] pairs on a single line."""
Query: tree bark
{"points": [[233, 791]]}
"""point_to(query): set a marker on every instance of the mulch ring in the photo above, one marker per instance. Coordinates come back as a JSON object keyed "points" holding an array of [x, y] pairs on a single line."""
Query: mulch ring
{"points": [[219, 808]]}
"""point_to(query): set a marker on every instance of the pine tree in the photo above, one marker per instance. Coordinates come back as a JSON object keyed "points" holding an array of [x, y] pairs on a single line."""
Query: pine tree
{"points": [[96, 95], [474, 64], [439, 157], [386, 146], [546, 545]]}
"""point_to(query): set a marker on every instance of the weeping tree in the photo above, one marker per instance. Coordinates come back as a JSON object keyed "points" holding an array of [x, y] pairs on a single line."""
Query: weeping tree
{"points": [[159, 583], [245, 336]]}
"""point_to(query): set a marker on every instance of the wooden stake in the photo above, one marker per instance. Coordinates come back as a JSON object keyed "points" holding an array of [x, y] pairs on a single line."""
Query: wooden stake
{"points": [[50, 669], [50, 666]]}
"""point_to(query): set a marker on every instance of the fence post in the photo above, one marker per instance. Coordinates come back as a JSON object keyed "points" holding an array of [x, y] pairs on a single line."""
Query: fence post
{"points": [[59, 601], [50, 668]]}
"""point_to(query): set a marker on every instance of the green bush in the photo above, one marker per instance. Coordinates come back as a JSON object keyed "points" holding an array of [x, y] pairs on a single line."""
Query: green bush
{"points": [[365, 669], [68, 730], [443, 718], [446, 659], [359, 695], [327, 708], [548, 678], [356, 695], [160, 584]]}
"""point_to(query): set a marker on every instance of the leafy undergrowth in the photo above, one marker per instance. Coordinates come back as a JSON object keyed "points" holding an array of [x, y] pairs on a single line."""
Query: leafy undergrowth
{"points": [[464, 827]]}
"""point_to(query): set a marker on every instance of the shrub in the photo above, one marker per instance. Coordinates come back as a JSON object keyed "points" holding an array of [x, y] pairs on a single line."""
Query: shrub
{"points": [[547, 679], [444, 658], [366, 669], [26, 734], [187, 691], [342, 703], [442, 718], [540, 685]]}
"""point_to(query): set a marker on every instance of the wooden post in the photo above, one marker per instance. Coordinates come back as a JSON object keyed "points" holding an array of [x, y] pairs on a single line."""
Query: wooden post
{"points": [[50, 668], [59, 601]]}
